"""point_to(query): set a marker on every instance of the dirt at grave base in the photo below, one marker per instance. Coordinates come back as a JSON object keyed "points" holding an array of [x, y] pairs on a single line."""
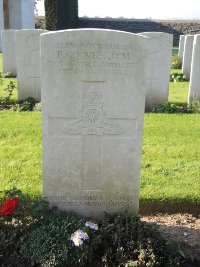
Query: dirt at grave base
{"points": [[184, 229]]}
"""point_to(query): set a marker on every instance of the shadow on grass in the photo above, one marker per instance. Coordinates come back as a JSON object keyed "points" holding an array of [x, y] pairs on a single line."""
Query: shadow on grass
{"points": [[147, 207]]}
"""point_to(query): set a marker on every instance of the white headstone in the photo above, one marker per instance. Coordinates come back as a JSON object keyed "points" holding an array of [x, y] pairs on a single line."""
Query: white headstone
{"points": [[21, 14], [187, 55], [8, 49], [181, 46], [93, 97], [194, 88], [27, 49], [28, 17], [160, 53], [1, 21]]}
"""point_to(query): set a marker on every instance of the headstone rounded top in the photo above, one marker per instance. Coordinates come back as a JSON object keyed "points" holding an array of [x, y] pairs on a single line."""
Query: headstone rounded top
{"points": [[83, 47], [197, 37], [90, 30], [30, 30], [163, 35], [158, 41], [156, 33], [190, 36]]}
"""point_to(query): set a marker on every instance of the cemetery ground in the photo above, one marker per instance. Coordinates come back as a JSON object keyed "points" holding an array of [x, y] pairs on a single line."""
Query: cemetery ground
{"points": [[170, 179]]}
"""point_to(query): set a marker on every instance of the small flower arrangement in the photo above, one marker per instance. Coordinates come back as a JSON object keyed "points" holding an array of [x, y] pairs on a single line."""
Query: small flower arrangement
{"points": [[9, 206], [178, 77], [21, 207], [12, 203], [79, 236], [91, 225]]}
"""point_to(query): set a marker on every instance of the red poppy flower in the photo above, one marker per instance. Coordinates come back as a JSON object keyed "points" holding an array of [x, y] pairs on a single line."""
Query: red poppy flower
{"points": [[9, 206]]}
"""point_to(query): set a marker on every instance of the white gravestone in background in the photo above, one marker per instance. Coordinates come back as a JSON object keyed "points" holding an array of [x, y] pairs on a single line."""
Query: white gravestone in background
{"points": [[187, 55], [27, 49], [160, 53], [21, 14], [8, 51], [28, 16], [93, 94], [194, 88], [181, 46], [1, 21]]}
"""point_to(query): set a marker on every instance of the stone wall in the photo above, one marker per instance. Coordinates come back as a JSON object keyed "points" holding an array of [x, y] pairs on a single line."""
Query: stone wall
{"points": [[175, 27]]}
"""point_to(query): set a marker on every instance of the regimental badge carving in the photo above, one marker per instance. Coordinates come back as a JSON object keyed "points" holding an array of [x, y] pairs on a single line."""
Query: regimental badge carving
{"points": [[94, 120]]}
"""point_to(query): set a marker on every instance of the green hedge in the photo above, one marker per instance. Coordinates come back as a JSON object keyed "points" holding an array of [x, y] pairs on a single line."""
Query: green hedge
{"points": [[61, 14], [51, 14]]}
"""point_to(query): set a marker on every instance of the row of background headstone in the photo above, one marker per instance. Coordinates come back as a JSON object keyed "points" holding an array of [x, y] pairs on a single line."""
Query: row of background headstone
{"points": [[24, 46], [16, 14], [21, 56], [189, 52]]}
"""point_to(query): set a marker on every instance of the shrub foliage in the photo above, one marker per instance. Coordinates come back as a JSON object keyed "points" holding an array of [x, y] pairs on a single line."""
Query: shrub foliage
{"points": [[62, 14], [176, 62], [51, 14], [193, 107], [37, 233]]}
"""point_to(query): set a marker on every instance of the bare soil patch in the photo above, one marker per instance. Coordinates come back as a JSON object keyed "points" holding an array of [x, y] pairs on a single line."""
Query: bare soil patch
{"points": [[184, 229]]}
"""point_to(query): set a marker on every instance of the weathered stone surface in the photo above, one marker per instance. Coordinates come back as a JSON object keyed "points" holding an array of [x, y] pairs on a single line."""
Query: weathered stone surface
{"points": [[194, 88], [160, 52], [181, 46], [93, 94], [27, 48], [8, 50], [187, 55]]}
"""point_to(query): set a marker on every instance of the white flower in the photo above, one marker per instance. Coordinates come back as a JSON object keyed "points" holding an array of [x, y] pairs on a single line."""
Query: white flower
{"points": [[77, 241], [78, 237], [91, 225]]}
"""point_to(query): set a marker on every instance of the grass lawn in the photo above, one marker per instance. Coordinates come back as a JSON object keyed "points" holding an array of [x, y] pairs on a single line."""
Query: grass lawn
{"points": [[176, 71], [170, 161], [178, 93], [20, 154], [6, 81]]}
